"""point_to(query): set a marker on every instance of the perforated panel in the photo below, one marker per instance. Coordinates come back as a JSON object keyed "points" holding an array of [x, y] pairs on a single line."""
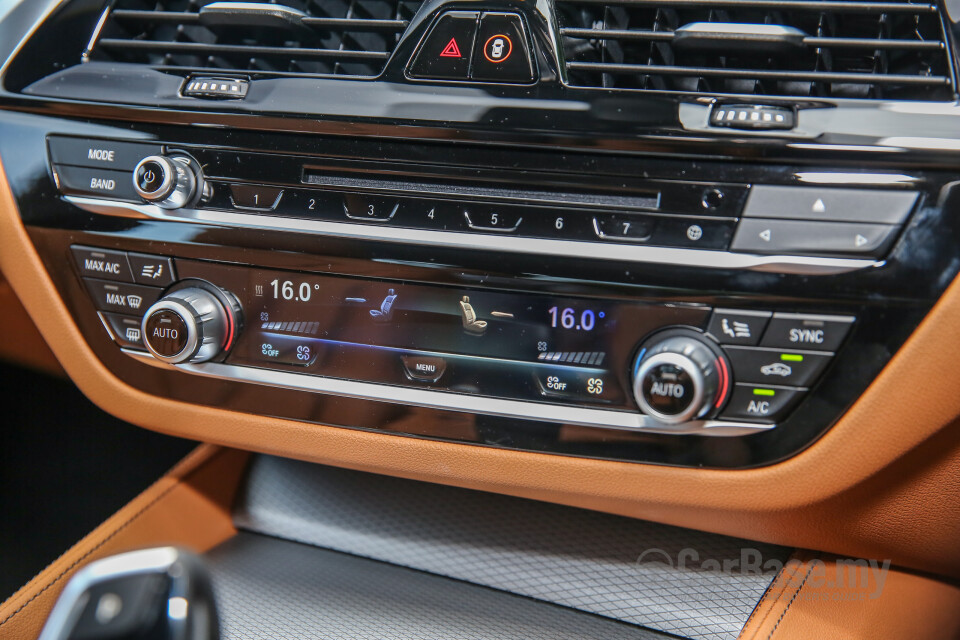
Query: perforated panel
{"points": [[273, 589], [616, 567]]}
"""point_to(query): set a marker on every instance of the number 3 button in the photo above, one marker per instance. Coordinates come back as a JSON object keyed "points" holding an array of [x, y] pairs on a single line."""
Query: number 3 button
{"points": [[361, 207]]}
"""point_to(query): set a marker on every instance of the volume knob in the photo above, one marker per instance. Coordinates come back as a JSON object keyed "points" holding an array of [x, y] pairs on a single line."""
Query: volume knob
{"points": [[189, 325], [679, 376], [168, 182]]}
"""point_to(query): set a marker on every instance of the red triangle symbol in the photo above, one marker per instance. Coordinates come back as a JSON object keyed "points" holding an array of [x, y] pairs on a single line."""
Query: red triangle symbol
{"points": [[451, 50]]}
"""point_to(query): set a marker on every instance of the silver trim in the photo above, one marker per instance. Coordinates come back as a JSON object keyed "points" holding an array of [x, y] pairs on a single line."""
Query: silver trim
{"points": [[514, 244], [71, 602], [166, 186], [563, 414], [189, 319], [683, 362]]}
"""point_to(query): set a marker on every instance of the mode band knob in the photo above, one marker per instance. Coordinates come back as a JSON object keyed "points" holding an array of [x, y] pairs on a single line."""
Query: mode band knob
{"points": [[168, 182], [679, 376], [188, 325]]}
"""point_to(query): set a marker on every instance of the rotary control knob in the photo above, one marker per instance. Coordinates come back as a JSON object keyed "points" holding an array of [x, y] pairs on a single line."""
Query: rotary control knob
{"points": [[680, 376], [192, 324], [169, 182]]}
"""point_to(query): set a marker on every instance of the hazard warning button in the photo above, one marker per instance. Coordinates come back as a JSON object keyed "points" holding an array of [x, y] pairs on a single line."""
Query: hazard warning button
{"points": [[447, 50]]}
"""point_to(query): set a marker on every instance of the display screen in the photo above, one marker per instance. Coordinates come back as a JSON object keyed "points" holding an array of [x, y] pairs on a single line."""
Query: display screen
{"points": [[500, 344]]}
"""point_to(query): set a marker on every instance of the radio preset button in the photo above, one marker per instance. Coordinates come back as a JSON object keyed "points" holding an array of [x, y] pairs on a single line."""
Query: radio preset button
{"points": [[801, 331], [130, 299], [102, 263], [625, 228], [777, 366], [486, 218], [362, 207], [255, 197], [731, 326], [424, 368], [761, 404]]}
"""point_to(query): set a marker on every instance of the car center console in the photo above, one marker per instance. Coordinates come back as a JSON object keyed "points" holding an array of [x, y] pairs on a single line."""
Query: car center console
{"points": [[471, 243]]}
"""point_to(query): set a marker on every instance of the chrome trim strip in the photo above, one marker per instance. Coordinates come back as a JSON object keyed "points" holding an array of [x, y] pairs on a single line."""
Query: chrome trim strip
{"points": [[563, 414], [514, 244]]}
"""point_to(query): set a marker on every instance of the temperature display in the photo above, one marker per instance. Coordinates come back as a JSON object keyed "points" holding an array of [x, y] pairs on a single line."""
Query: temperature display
{"points": [[570, 318]]}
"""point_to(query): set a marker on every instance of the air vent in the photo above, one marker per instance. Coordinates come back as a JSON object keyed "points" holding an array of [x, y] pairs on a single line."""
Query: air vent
{"points": [[298, 37], [809, 48]]}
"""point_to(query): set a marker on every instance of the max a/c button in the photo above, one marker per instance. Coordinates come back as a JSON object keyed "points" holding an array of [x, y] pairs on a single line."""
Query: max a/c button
{"points": [[424, 368]]}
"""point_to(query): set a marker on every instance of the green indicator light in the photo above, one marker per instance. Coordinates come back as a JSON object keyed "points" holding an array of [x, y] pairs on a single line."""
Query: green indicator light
{"points": [[791, 357], [764, 392]]}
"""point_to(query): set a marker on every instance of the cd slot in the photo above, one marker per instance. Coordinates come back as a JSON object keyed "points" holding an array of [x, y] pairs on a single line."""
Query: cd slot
{"points": [[334, 179]]}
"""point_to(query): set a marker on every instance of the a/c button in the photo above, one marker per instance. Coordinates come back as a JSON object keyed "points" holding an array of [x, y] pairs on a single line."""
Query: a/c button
{"points": [[761, 404]]}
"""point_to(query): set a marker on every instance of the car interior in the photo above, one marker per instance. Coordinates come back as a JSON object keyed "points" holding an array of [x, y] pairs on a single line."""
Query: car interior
{"points": [[479, 319]]}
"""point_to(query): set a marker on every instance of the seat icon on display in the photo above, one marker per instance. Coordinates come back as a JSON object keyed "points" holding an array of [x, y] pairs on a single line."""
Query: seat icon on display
{"points": [[386, 307], [469, 318]]}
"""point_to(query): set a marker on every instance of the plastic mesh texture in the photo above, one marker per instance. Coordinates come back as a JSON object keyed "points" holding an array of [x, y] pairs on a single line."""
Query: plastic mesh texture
{"points": [[665, 578], [269, 589]]}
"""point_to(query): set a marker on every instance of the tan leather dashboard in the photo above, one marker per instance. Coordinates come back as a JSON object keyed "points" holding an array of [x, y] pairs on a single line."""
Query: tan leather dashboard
{"points": [[882, 483]]}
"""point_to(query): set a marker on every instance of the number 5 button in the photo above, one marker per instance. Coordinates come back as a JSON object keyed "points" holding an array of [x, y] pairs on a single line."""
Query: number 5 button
{"points": [[502, 219]]}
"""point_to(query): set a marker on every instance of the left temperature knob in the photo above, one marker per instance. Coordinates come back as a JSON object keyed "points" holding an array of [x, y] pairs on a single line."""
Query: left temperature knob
{"points": [[190, 325], [168, 182]]}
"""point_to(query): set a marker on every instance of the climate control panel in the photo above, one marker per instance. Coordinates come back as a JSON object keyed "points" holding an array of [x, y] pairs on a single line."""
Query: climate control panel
{"points": [[611, 363]]}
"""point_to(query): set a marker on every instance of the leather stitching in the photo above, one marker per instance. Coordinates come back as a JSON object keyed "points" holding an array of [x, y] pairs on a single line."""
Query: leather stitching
{"points": [[790, 603], [782, 578], [185, 462]]}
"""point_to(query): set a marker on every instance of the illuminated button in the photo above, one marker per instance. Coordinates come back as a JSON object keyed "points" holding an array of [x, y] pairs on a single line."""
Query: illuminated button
{"points": [[501, 54], [445, 53], [424, 368], [761, 404], [286, 349], [776, 366]]}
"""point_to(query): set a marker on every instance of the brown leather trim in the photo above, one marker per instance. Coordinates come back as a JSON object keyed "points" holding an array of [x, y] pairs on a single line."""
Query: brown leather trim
{"points": [[188, 507], [826, 597], [20, 342], [865, 489]]}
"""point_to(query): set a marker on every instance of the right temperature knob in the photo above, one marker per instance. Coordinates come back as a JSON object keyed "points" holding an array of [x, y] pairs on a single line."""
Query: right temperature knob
{"points": [[679, 375]]}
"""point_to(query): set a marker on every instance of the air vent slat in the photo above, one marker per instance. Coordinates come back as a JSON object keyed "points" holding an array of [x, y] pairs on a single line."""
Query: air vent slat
{"points": [[216, 49], [329, 37], [784, 48]]}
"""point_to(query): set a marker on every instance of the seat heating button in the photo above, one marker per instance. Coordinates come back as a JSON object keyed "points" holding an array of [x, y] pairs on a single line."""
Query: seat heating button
{"points": [[761, 404], [445, 53], [800, 331], [102, 263]]}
